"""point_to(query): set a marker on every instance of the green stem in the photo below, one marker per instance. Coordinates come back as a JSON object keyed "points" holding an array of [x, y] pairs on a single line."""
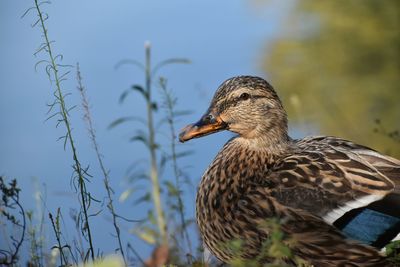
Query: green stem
{"points": [[64, 114], [153, 157], [177, 173]]}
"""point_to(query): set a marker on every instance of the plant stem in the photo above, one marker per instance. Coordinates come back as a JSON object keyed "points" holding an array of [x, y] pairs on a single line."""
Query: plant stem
{"points": [[153, 158], [64, 114], [170, 103], [14, 256], [92, 134], [60, 248]]}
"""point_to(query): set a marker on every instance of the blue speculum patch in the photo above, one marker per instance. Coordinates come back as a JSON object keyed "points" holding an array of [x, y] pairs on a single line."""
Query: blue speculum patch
{"points": [[369, 225]]}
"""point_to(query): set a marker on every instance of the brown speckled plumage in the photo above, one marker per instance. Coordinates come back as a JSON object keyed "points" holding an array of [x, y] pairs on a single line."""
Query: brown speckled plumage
{"points": [[262, 174]]}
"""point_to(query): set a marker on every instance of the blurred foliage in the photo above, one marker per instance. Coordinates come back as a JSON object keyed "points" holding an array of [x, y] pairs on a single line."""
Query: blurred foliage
{"points": [[165, 226], [276, 248], [109, 261], [393, 252], [12, 214], [336, 64]]}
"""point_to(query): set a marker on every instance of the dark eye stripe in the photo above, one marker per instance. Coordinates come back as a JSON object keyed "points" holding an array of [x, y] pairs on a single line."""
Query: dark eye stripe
{"points": [[237, 99], [258, 96], [233, 102]]}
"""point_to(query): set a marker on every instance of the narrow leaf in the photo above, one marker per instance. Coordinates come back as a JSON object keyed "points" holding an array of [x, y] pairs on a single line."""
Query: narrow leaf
{"points": [[169, 62], [130, 62], [145, 198], [146, 234], [122, 120], [140, 89], [123, 96], [125, 195]]}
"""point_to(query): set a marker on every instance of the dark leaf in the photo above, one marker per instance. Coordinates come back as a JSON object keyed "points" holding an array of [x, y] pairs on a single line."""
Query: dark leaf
{"points": [[141, 138], [172, 190], [122, 120], [151, 217], [145, 198], [141, 90], [124, 95], [154, 106]]}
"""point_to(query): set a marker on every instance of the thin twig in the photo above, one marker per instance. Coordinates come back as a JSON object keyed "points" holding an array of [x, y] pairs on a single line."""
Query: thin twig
{"points": [[11, 192], [92, 135], [57, 234], [21, 240], [170, 105], [136, 254], [54, 67]]}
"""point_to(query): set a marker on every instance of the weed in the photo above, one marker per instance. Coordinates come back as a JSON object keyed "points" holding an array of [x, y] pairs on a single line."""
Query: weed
{"points": [[92, 135], [175, 191], [57, 232], [53, 68], [147, 233], [9, 203]]}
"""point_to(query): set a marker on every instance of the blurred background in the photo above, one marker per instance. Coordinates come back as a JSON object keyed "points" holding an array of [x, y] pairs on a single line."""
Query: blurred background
{"points": [[335, 64]]}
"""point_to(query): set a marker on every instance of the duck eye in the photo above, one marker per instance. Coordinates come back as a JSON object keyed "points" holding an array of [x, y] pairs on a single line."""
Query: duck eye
{"points": [[209, 118], [244, 96]]}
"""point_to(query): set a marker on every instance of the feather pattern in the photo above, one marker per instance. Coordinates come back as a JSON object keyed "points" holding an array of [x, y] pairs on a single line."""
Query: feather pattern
{"points": [[307, 184], [328, 178]]}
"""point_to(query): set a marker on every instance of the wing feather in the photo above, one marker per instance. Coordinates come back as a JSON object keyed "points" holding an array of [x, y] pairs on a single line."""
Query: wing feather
{"points": [[328, 177]]}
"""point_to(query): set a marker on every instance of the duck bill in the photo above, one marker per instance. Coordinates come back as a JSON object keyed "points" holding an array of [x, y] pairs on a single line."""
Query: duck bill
{"points": [[205, 126]]}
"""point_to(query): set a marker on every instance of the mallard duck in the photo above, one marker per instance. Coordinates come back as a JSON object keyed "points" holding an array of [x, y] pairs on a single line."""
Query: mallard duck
{"points": [[316, 187]]}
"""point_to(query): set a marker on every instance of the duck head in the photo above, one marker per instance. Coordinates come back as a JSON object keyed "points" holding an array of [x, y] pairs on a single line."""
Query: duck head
{"points": [[246, 105]]}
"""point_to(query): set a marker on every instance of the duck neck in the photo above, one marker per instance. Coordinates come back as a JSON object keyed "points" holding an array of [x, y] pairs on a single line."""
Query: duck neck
{"points": [[275, 142]]}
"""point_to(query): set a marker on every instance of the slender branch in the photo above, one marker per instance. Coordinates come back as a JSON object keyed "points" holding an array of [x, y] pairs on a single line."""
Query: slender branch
{"points": [[136, 254], [92, 135], [11, 192], [18, 246], [170, 105], [57, 234], [68, 138]]}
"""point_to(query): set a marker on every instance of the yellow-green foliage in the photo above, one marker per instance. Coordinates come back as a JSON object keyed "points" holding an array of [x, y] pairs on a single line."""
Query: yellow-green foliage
{"points": [[110, 261], [337, 67], [393, 252], [277, 248]]}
